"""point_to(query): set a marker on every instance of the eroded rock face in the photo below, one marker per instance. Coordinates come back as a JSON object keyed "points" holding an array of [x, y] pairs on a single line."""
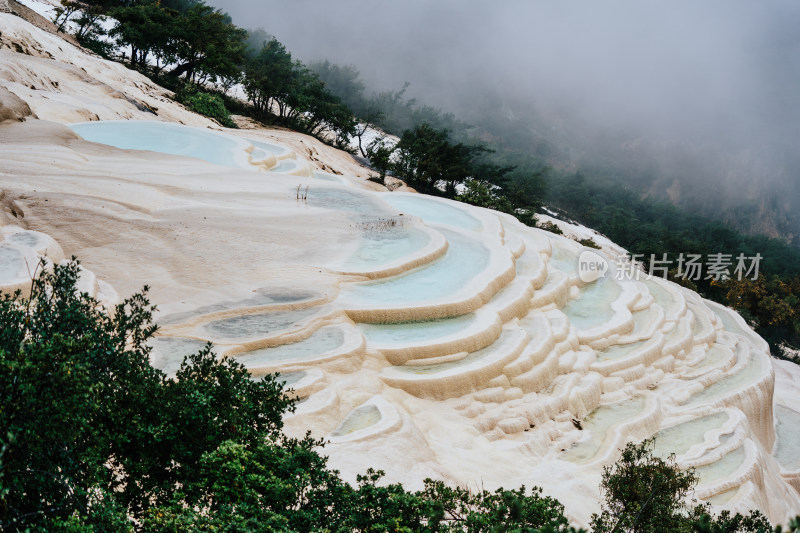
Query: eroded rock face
{"points": [[13, 108], [424, 337]]}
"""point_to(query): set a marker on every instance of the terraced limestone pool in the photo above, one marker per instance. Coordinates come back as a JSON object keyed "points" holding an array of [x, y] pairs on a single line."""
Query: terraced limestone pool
{"points": [[167, 138], [416, 332], [12, 264], [320, 343], [286, 166], [787, 445], [714, 355], [257, 325], [384, 241], [735, 381], [680, 438], [287, 379], [593, 307], [464, 260], [563, 259], [662, 297], [598, 422], [507, 339], [168, 352], [262, 149], [432, 211], [617, 351], [359, 418], [725, 467], [341, 199]]}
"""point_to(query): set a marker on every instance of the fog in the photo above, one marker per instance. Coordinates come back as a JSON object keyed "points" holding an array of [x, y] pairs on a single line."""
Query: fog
{"points": [[718, 79]]}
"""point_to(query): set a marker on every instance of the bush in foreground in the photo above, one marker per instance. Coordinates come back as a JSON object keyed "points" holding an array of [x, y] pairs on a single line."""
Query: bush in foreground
{"points": [[94, 439]]}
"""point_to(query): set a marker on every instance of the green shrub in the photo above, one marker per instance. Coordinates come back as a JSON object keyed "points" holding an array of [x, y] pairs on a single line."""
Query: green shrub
{"points": [[209, 105], [589, 243], [552, 227]]}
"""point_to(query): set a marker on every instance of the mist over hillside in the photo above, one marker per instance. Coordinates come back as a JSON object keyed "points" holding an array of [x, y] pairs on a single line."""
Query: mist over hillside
{"points": [[694, 102]]}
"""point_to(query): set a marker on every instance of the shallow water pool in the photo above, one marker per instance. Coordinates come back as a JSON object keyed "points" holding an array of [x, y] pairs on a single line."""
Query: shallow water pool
{"points": [[257, 325], [168, 352], [167, 138], [787, 446], [320, 342], [358, 419], [385, 243], [599, 422], [432, 211], [505, 340], [593, 307], [464, 260], [680, 438], [416, 332]]}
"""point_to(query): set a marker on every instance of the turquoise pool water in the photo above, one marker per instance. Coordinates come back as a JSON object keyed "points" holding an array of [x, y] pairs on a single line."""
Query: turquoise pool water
{"points": [[167, 138], [743, 377], [285, 166], [405, 332], [464, 260], [432, 211], [564, 259], [11, 263], [680, 438], [320, 342], [383, 245], [342, 199], [593, 307], [599, 422], [725, 467], [787, 446], [262, 149], [359, 418], [257, 325], [168, 352], [506, 339]]}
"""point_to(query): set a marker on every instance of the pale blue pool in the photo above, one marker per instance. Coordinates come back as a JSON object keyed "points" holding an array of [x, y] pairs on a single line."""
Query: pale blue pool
{"points": [[359, 418], [11, 263], [257, 325], [506, 339], [787, 445], [564, 259], [448, 275], [168, 352], [320, 342], [432, 211], [598, 422], [593, 307], [285, 166], [680, 438], [342, 199], [262, 149], [738, 380], [381, 246], [405, 332], [167, 138]]}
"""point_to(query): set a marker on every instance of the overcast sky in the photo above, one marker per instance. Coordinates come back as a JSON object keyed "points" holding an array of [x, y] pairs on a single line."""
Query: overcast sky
{"points": [[718, 71]]}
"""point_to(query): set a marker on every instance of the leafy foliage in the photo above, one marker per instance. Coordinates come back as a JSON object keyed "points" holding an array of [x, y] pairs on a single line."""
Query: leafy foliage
{"points": [[275, 84], [92, 430], [208, 104], [95, 439], [645, 493]]}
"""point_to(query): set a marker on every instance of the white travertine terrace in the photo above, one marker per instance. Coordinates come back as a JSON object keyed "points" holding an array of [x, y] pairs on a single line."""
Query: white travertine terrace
{"points": [[423, 337]]}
